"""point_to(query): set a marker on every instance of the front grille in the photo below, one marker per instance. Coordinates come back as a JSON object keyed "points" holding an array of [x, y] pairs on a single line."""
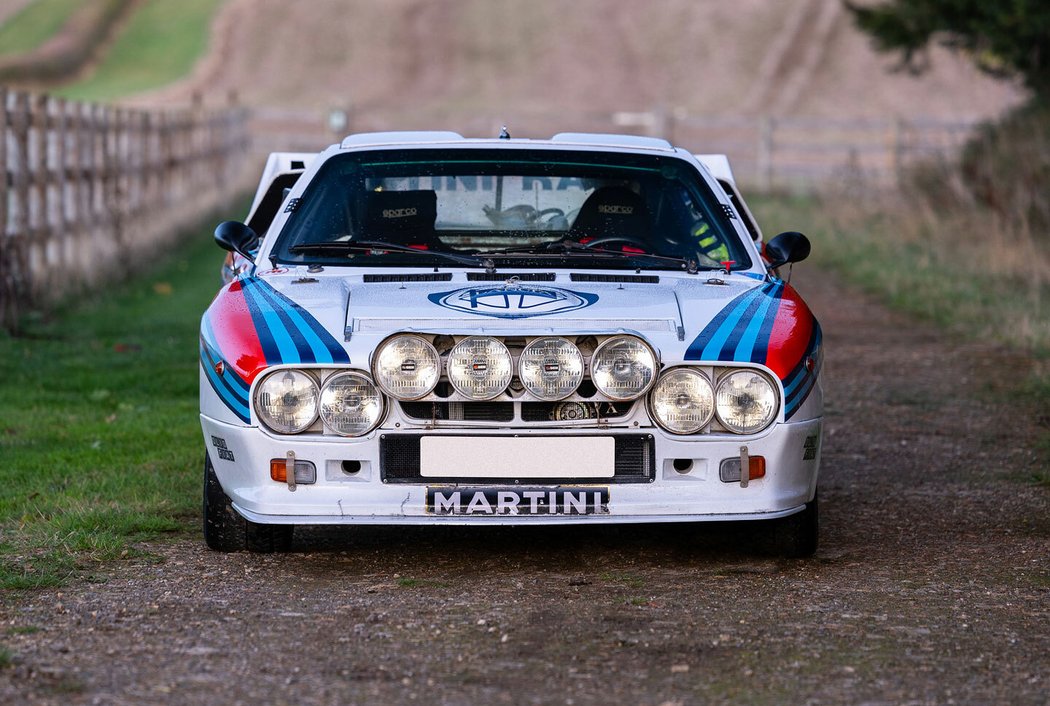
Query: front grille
{"points": [[635, 462], [580, 412], [572, 411], [459, 411]]}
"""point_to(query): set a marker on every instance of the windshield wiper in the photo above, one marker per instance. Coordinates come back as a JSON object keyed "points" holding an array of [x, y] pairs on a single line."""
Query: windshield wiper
{"points": [[348, 246]]}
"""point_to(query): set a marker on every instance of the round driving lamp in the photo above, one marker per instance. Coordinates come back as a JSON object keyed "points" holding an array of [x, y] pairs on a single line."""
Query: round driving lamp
{"points": [[682, 401], [623, 368], [350, 404], [286, 401], [479, 367], [551, 368], [407, 367], [745, 402]]}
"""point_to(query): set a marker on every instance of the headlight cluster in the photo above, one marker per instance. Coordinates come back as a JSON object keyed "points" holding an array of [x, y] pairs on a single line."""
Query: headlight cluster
{"points": [[551, 368], [290, 401], [684, 401]]}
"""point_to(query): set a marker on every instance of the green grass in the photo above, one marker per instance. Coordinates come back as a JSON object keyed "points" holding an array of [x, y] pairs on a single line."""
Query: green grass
{"points": [[915, 269], [159, 45], [99, 430], [34, 24], [934, 269]]}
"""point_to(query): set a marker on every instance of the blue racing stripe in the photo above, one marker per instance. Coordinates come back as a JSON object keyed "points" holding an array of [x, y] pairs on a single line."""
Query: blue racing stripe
{"points": [[761, 350], [800, 381], [311, 348], [266, 341], [229, 377], [713, 349], [313, 341], [745, 349], [229, 397], [287, 352]]}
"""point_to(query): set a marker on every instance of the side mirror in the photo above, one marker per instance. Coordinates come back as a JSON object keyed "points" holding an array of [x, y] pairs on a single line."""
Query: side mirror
{"points": [[788, 247], [236, 237]]}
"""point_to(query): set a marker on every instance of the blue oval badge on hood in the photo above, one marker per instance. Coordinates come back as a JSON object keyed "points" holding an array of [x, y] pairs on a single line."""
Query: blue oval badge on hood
{"points": [[513, 301]]}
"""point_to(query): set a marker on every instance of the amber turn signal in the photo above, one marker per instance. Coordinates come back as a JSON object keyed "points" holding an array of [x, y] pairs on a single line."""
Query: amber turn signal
{"points": [[729, 469], [305, 472]]}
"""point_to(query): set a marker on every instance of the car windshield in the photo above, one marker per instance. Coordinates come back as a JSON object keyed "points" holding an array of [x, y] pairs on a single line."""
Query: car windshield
{"points": [[508, 207]]}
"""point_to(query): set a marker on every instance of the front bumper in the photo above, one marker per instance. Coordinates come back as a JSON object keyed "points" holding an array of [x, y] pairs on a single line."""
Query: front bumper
{"points": [[241, 457]]}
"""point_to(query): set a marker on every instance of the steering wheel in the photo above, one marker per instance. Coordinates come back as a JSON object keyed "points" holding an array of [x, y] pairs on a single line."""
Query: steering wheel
{"points": [[627, 239]]}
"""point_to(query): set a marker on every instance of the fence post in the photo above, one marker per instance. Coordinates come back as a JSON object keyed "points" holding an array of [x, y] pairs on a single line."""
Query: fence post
{"points": [[898, 148], [764, 158], [8, 291]]}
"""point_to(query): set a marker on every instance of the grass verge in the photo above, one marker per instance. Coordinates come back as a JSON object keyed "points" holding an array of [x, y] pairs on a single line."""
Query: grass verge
{"points": [[159, 45], [34, 24], [99, 426], [963, 270]]}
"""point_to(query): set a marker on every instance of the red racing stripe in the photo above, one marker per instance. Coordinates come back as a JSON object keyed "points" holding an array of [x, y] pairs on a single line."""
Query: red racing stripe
{"points": [[791, 333], [235, 334]]}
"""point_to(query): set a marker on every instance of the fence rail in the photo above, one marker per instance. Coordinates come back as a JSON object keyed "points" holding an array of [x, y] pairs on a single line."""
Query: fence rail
{"points": [[90, 190], [766, 152]]}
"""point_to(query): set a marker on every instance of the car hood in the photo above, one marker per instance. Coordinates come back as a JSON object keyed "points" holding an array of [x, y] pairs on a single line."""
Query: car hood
{"points": [[299, 318], [668, 311], [295, 317]]}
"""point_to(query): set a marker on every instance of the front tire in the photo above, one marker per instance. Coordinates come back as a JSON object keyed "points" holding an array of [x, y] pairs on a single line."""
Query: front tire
{"points": [[226, 531], [796, 536], [224, 528], [266, 539]]}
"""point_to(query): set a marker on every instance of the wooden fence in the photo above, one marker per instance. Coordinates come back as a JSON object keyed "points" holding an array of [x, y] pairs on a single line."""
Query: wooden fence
{"points": [[800, 153], [90, 191]]}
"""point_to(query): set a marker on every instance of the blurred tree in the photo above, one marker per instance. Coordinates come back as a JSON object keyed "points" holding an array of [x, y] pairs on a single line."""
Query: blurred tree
{"points": [[1005, 38]]}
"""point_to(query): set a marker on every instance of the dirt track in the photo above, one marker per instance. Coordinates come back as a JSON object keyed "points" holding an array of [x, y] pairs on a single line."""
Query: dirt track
{"points": [[932, 584], [550, 64]]}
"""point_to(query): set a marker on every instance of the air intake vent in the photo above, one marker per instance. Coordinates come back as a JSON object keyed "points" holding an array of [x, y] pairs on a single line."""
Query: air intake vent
{"points": [[500, 277], [637, 279], [412, 277]]}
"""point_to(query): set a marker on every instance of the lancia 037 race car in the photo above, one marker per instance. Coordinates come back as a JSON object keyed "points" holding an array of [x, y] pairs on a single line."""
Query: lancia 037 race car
{"points": [[437, 330]]}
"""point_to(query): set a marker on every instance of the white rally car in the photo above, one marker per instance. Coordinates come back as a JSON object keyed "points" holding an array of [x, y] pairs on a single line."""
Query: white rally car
{"points": [[501, 331]]}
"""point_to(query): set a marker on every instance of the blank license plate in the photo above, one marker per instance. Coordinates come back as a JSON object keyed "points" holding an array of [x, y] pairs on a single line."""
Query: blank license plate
{"points": [[517, 457]]}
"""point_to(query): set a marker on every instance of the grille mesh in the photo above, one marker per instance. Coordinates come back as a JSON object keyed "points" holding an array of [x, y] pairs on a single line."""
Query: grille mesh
{"points": [[460, 411]]}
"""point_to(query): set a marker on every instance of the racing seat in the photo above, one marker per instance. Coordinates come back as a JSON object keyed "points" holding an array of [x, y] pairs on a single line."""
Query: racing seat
{"points": [[612, 212], [402, 218]]}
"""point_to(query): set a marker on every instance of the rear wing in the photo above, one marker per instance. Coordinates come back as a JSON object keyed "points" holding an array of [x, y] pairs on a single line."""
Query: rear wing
{"points": [[277, 164], [718, 165]]}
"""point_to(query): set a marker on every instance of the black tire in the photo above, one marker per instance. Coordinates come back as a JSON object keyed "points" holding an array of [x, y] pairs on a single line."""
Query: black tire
{"points": [[223, 527], [266, 539], [226, 531], [795, 536]]}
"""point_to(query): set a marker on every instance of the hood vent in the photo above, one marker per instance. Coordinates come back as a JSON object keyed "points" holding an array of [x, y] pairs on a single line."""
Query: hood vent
{"points": [[637, 279], [503, 276], [411, 277]]}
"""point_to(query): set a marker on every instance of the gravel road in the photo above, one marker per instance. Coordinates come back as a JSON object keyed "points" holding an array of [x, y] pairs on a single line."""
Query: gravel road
{"points": [[932, 583]]}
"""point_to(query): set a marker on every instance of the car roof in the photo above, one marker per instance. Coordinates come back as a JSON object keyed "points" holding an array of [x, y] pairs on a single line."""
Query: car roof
{"points": [[426, 138]]}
